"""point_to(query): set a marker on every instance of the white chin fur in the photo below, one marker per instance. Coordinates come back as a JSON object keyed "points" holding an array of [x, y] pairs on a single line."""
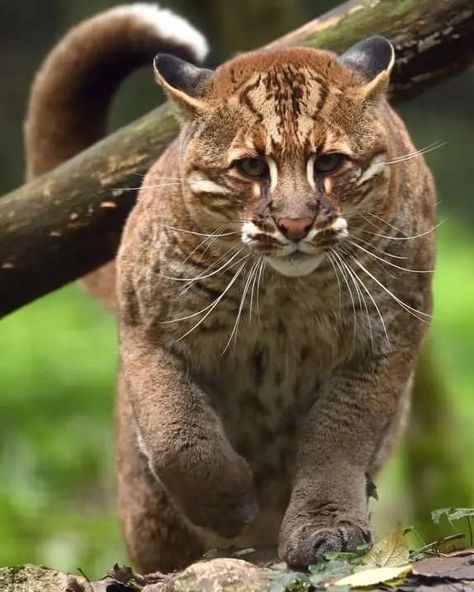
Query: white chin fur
{"points": [[295, 267]]}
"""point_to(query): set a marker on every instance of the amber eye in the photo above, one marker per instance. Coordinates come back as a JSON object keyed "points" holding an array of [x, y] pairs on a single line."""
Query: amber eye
{"points": [[256, 168], [327, 163]]}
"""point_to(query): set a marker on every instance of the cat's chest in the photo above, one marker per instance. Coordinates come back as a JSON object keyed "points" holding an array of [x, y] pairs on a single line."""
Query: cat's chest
{"points": [[271, 368], [273, 356]]}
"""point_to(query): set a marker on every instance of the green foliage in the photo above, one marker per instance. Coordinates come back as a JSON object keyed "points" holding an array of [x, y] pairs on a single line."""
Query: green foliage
{"points": [[457, 514], [290, 582], [56, 442], [452, 514]]}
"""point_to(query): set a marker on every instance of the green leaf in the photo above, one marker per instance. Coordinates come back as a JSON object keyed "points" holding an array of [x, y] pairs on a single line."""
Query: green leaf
{"points": [[389, 552], [325, 570], [452, 514], [289, 582]]}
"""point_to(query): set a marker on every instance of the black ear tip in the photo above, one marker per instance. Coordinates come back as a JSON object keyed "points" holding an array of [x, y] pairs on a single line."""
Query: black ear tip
{"points": [[163, 60], [370, 56], [381, 45], [179, 74]]}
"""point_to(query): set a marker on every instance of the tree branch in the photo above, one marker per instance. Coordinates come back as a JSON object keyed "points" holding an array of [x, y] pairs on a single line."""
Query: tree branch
{"points": [[68, 222]]}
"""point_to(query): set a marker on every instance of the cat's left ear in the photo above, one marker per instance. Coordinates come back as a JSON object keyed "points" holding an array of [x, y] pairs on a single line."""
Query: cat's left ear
{"points": [[184, 83], [373, 59]]}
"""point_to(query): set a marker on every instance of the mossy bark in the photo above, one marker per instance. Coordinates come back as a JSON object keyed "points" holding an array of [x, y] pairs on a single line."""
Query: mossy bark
{"points": [[68, 222]]}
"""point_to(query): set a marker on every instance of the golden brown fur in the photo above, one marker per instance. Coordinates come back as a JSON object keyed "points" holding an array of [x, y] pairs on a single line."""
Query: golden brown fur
{"points": [[270, 325]]}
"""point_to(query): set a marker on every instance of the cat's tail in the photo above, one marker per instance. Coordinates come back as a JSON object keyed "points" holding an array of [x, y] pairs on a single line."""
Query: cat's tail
{"points": [[74, 87]]}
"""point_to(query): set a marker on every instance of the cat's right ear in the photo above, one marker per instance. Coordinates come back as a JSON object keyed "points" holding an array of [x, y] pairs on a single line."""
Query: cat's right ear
{"points": [[184, 83], [373, 59]]}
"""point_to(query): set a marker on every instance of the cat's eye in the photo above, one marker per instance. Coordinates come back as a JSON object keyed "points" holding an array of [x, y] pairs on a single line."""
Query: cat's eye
{"points": [[328, 163], [257, 168]]}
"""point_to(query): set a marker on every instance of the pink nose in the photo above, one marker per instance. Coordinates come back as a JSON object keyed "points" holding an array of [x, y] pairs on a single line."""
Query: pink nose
{"points": [[295, 228]]}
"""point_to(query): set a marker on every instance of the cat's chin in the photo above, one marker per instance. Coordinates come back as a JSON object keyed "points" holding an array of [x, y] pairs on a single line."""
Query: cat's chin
{"points": [[296, 265]]}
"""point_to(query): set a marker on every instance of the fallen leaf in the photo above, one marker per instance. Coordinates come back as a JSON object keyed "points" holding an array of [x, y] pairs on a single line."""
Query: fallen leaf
{"points": [[439, 586], [370, 577], [455, 568], [389, 552]]}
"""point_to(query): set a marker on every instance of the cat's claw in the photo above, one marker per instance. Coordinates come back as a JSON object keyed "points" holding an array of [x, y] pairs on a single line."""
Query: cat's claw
{"points": [[309, 543]]}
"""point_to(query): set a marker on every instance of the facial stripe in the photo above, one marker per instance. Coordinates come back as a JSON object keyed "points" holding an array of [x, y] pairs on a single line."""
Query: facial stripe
{"points": [[310, 171], [200, 183], [273, 173], [376, 166]]}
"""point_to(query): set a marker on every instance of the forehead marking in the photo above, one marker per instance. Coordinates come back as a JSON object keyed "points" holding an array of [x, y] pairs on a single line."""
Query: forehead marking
{"points": [[286, 101]]}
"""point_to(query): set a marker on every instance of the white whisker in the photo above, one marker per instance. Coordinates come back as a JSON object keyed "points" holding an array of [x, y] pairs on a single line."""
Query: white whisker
{"points": [[199, 233], [241, 307], [424, 317], [388, 237], [416, 153], [331, 261], [228, 253], [257, 263], [361, 299], [195, 314], [205, 275], [209, 239], [375, 248], [261, 273], [338, 260], [390, 262], [374, 303], [213, 305]]}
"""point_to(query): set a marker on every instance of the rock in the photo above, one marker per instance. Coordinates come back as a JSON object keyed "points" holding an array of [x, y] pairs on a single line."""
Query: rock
{"points": [[217, 575], [32, 578]]}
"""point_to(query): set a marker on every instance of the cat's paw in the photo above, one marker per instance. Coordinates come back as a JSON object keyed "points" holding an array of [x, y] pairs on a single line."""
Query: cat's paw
{"points": [[227, 514], [309, 543], [224, 500]]}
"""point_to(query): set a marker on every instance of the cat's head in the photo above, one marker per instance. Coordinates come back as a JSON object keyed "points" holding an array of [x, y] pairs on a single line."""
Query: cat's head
{"points": [[286, 144]]}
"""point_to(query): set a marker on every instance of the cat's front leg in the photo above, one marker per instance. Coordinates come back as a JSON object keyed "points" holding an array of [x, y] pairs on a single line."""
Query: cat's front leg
{"points": [[340, 444], [183, 439]]}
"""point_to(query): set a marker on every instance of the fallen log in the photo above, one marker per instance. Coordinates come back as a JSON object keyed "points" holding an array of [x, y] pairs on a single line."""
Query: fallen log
{"points": [[68, 222]]}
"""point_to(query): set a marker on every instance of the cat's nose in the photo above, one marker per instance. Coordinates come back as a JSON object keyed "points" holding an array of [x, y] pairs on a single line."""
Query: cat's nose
{"points": [[295, 228]]}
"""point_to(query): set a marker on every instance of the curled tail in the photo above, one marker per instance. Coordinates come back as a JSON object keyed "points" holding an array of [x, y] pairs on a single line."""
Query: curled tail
{"points": [[75, 85], [74, 88]]}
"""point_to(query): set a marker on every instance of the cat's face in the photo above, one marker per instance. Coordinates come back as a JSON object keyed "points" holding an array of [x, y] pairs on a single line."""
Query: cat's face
{"points": [[287, 151]]}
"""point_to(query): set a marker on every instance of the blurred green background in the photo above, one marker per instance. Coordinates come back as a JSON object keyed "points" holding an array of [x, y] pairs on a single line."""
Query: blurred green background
{"points": [[58, 355]]}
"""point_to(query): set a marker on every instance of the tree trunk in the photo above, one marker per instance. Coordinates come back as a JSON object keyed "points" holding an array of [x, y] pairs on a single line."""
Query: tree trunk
{"points": [[68, 222]]}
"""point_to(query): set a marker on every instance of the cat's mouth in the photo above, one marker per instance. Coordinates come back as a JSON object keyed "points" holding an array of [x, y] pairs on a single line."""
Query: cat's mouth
{"points": [[296, 264], [294, 258]]}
